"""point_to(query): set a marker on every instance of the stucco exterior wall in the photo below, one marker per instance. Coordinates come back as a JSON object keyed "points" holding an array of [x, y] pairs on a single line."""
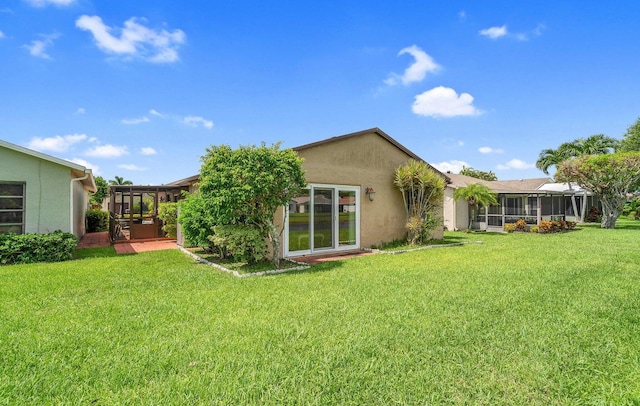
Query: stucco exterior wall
{"points": [[80, 205], [456, 214], [47, 190], [365, 161]]}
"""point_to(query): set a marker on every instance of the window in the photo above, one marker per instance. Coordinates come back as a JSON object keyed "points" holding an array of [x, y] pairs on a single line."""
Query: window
{"points": [[323, 217], [11, 208]]}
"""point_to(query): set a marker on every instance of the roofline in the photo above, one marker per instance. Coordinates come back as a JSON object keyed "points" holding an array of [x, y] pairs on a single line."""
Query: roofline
{"points": [[59, 161], [358, 133], [375, 130], [46, 157], [185, 180]]}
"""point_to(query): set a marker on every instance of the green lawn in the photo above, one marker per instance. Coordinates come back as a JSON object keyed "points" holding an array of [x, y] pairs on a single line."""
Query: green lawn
{"points": [[520, 319]]}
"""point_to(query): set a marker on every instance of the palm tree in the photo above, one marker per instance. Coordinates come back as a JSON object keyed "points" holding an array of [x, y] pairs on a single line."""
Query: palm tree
{"points": [[476, 194], [598, 144], [119, 180]]}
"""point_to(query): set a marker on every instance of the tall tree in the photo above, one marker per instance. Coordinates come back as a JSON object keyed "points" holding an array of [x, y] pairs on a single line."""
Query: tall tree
{"points": [[478, 174], [102, 191], [611, 177], [247, 185], [422, 191], [476, 194], [119, 180], [598, 144], [631, 139]]}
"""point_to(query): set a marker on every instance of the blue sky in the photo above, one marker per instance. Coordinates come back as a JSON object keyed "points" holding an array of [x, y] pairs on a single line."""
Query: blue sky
{"points": [[140, 88]]}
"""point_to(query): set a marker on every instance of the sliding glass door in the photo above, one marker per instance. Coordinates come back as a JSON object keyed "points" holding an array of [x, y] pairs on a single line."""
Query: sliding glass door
{"points": [[323, 218]]}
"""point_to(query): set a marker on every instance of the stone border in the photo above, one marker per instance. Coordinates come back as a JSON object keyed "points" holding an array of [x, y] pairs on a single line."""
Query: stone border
{"points": [[300, 267], [427, 247]]}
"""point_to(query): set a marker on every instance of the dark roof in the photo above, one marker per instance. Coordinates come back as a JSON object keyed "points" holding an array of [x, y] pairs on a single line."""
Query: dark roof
{"points": [[375, 130], [185, 182]]}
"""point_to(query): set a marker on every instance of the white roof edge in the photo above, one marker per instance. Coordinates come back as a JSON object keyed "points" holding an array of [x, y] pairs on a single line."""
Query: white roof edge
{"points": [[46, 157]]}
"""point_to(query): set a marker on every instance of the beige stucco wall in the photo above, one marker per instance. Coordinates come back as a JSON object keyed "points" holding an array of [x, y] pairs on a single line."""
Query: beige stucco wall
{"points": [[47, 191], [364, 161], [456, 214]]}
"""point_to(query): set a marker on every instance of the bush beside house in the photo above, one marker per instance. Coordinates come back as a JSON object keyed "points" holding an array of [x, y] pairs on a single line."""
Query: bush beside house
{"points": [[97, 220], [28, 248]]}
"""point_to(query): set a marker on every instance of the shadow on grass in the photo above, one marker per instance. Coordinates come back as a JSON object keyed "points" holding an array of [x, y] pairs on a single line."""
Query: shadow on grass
{"points": [[101, 252], [316, 268], [626, 224]]}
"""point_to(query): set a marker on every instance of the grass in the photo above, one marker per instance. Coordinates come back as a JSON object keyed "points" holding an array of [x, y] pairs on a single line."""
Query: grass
{"points": [[242, 266], [520, 319]]}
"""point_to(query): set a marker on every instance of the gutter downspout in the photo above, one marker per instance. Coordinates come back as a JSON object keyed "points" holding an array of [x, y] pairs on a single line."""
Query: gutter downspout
{"points": [[71, 199]]}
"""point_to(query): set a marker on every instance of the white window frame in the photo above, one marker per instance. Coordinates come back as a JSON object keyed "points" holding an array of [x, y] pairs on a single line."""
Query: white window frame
{"points": [[336, 221]]}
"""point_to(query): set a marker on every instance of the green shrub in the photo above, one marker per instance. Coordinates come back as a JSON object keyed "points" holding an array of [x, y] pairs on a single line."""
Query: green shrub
{"points": [[97, 220], [533, 229], [510, 227], [196, 221], [168, 213], [28, 248], [240, 242]]}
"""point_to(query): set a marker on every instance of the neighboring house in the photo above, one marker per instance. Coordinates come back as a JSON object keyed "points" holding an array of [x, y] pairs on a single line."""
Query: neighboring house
{"points": [[533, 200], [351, 201], [40, 193]]}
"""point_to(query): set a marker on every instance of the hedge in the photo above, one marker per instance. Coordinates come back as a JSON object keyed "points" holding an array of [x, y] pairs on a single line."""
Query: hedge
{"points": [[97, 220], [28, 248]]}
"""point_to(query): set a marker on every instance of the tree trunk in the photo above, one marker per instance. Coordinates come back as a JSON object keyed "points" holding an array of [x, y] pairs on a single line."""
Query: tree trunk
{"points": [[611, 209], [472, 215], [275, 244]]}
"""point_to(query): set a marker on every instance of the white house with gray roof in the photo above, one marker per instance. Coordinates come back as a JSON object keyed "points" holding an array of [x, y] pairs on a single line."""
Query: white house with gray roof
{"points": [[533, 200]]}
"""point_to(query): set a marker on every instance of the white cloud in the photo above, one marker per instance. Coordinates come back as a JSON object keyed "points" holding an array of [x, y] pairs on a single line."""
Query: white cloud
{"points": [[489, 150], [453, 166], [59, 143], [191, 121], [131, 167], [516, 164], [38, 47], [147, 151], [43, 3], [2, 35], [81, 110], [133, 121], [539, 29], [158, 46], [417, 71], [106, 151], [494, 32], [194, 121], [94, 168], [444, 102], [462, 15]]}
